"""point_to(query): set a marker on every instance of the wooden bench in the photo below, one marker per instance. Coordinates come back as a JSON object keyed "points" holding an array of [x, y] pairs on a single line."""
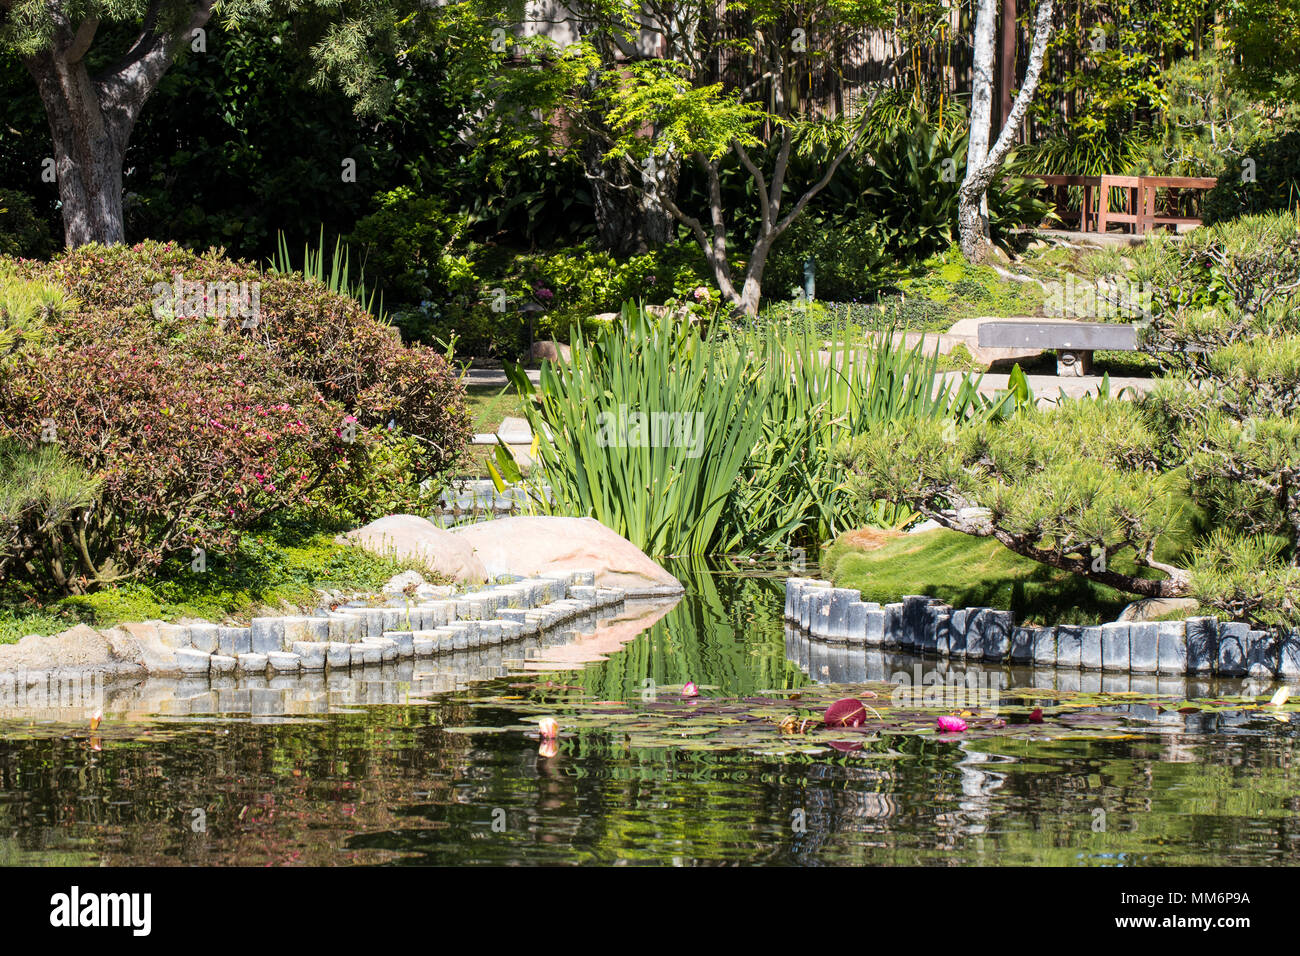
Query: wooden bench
{"points": [[1136, 208], [1074, 342]]}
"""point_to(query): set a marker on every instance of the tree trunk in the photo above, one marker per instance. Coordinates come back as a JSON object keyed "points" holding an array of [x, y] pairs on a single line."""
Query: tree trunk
{"points": [[91, 118], [630, 221], [983, 162], [88, 151]]}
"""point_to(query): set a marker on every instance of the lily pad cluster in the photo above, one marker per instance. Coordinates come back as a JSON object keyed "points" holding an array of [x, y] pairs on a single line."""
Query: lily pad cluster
{"points": [[850, 717]]}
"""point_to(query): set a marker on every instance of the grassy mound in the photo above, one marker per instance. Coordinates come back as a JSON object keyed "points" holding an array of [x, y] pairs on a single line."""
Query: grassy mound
{"points": [[965, 571]]}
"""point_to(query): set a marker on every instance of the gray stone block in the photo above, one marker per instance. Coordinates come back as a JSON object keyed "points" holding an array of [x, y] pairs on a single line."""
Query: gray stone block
{"points": [[942, 625], [914, 606], [1143, 647], [1090, 649], [1288, 666], [405, 641], [837, 624], [957, 644], [792, 586], [222, 664], [489, 632], [893, 631], [425, 646], [857, 623], [284, 661], [875, 631], [1022, 645], [994, 629], [174, 635], [319, 629], [1261, 654], [295, 629], [1233, 643], [1171, 647], [193, 663], [1202, 645], [1069, 646], [203, 637], [252, 663], [267, 634], [338, 655], [1114, 647], [1045, 646], [312, 654], [233, 641]]}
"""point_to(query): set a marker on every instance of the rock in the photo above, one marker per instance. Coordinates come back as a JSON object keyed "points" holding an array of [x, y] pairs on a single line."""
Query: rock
{"points": [[399, 583], [530, 545], [156, 656], [549, 352], [80, 648], [1148, 609], [412, 538]]}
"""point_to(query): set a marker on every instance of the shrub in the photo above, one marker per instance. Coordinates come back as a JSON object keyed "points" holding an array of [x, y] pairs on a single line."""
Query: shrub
{"points": [[1275, 162], [407, 244], [326, 340], [22, 233], [191, 435]]}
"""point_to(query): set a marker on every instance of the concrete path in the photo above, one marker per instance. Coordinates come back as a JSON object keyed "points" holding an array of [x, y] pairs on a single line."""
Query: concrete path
{"points": [[495, 376]]}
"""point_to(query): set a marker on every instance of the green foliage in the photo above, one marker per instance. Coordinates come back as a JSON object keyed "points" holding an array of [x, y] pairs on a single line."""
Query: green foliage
{"points": [[337, 277], [965, 571], [1120, 492], [312, 407], [508, 292], [1275, 163], [408, 243], [1266, 35], [757, 414], [1208, 122], [274, 568], [23, 235]]}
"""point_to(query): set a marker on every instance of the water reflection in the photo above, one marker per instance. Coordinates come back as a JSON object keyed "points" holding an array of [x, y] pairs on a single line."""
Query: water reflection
{"points": [[407, 764]]}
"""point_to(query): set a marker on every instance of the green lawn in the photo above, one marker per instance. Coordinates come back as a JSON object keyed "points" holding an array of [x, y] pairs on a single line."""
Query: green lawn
{"points": [[489, 404], [965, 571]]}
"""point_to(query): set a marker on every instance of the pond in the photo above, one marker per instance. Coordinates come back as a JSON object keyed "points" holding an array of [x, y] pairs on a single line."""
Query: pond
{"points": [[433, 766]]}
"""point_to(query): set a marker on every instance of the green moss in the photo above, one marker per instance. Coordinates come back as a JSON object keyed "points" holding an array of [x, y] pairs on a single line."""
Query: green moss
{"points": [[277, 569], [965, 571]]}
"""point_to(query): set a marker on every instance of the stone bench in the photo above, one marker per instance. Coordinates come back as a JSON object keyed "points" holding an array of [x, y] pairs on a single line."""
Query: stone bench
{"points": [[1074, 342]]}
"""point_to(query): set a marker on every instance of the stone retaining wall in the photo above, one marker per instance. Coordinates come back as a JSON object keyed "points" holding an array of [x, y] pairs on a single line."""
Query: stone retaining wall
{"points": [[355, 636], [922, 625]]}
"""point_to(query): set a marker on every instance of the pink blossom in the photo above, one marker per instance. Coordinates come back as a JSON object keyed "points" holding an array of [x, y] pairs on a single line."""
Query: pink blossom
{"points": [[951, 725], [690, 690]]}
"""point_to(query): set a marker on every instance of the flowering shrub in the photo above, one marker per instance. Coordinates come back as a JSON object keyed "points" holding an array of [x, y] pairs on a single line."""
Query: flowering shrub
{"points": [[196, 425], [188, 446], [324, 339]]}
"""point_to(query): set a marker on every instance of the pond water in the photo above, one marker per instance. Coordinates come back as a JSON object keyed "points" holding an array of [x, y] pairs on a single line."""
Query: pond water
{"points": [[408, 765]]}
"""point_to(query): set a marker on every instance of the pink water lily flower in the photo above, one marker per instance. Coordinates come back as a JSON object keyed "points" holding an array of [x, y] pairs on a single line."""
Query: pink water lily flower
{"points": [[548, 728], [951, 725], [690, 690]]}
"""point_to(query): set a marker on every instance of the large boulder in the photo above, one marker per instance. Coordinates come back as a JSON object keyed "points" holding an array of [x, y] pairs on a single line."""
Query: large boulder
{"points": [[531, 545], [412, 538], [79, 649]]}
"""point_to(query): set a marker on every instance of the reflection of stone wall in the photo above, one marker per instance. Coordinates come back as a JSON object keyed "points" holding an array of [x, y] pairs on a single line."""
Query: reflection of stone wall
{"points": [[42, 696], [1200, 646]]}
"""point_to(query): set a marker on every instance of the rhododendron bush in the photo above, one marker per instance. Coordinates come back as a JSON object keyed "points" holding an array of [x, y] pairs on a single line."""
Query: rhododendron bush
{"points": [[197, 424]]}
